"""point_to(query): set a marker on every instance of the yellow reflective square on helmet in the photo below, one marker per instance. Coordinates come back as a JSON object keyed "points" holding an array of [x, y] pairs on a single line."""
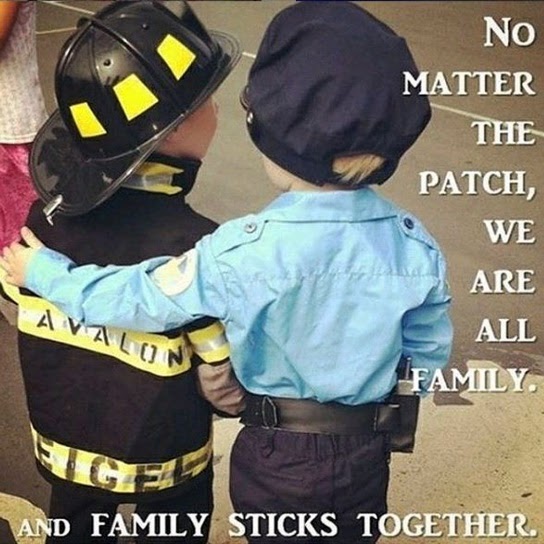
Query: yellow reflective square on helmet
{"points": [[134, 96], [177, 56], [86, 121]]}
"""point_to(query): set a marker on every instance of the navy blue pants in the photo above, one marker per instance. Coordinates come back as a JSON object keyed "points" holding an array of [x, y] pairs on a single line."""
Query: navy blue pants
{"points": [[284, 472]]}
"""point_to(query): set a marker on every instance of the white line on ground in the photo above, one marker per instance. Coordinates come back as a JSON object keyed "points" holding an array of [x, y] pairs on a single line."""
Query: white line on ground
{"points": [[68, 6], [476, 116], [55, 30]]}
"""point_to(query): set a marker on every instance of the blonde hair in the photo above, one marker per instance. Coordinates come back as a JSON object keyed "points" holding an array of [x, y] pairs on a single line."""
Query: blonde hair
{"points": [[354, 169]]}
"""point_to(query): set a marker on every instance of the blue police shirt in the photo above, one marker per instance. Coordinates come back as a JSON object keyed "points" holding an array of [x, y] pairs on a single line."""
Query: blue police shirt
{"points": [[320, 294]]}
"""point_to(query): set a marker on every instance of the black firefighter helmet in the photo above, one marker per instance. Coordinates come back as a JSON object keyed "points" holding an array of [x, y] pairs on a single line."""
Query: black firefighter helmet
{"points": [[129, 75]]}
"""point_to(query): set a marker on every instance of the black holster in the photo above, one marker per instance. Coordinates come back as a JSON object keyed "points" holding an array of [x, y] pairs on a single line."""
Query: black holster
{"points": [[400, 427], [405, 402]]}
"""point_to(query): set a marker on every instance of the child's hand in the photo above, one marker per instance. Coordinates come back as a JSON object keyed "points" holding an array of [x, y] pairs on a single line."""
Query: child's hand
{"points": [[16, 257]]}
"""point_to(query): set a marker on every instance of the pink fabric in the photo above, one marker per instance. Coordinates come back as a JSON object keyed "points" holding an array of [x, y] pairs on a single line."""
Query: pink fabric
{"points": [[16, 191]]}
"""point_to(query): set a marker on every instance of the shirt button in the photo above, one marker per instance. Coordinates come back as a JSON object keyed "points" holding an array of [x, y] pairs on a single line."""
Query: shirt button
{"points": [[250, 227], [409, 224]]}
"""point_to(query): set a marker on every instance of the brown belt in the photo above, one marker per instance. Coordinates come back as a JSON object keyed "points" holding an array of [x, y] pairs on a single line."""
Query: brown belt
{"points": [[310, 416]]}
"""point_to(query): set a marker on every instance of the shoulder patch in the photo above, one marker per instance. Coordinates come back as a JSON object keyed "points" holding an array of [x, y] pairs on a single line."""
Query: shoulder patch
{"points": [[175, 276]]}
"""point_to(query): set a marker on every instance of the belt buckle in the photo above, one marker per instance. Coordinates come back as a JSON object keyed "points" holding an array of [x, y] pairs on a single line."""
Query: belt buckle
{"points": [[269, 413]]}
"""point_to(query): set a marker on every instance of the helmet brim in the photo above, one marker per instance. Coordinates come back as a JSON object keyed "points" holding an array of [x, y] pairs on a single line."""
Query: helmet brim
{"points": [[58, 166]]}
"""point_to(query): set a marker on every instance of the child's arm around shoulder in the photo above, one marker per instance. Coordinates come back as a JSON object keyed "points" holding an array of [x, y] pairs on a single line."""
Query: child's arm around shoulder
{"points": [[155, 295]]}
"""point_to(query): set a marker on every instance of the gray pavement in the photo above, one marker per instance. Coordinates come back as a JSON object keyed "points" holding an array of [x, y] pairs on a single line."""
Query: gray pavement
{"points": [[477, 451]]}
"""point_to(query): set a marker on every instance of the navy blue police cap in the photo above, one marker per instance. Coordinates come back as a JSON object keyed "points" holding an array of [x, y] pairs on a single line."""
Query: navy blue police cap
{"points": [[327, 82]]}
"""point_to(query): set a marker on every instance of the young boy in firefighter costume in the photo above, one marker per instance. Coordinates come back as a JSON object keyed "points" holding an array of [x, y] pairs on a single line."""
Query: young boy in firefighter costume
{"points": [[116, 414], [321, 293]]}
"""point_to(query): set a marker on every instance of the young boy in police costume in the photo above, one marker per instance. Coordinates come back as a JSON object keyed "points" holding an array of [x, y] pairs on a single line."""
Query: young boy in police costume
{"points": [[321, 292], [116, 415]]}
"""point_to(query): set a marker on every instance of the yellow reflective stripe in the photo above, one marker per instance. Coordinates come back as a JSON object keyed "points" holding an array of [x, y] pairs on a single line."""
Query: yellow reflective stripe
{"points": [[155, 188], [178, 57], [155, 168], [153, 353], [134, 96], [210, 343], [154, 177], [86, 121], [97, 470]]}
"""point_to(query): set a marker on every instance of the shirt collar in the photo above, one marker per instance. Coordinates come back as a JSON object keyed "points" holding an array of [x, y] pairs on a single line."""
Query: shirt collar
{"points": [[358, 205]]}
